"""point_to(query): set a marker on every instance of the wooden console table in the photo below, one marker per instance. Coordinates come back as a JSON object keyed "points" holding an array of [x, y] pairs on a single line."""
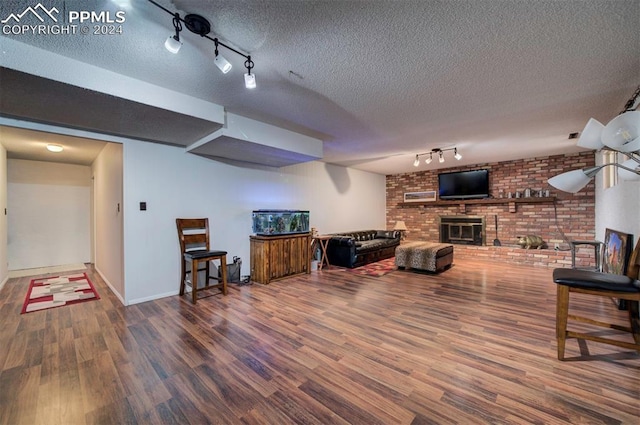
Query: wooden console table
{"points": [[277, 257]]}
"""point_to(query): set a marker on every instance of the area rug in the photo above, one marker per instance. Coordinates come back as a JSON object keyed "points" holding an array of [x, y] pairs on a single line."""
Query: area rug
{"points": [[51, 292], [376, 269]]}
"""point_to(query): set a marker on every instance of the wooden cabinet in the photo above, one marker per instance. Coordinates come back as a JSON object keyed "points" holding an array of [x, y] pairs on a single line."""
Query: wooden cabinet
{"points": [[275, 257]]}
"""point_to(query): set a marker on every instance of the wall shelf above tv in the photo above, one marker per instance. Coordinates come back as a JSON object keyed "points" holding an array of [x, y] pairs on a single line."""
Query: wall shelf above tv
{"points": [[512, 202]]}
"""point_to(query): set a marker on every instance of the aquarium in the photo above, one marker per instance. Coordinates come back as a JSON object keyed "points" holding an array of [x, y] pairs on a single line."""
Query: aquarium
{"points": [[280, 222]]}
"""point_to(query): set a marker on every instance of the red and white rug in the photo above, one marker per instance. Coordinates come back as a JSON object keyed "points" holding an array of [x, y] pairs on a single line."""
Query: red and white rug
{"points": [[51, 292], [377, 269]]}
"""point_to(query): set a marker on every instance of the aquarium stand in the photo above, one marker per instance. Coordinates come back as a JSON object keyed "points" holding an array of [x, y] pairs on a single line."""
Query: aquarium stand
{"points": [[279, 256]]}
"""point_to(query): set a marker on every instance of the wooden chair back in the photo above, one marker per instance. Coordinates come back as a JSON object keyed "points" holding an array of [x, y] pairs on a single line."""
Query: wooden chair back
{"points": [[193, 234]]}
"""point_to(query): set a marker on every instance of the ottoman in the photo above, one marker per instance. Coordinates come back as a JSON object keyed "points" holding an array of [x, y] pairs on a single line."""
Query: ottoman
{"points": [[429, 256]]}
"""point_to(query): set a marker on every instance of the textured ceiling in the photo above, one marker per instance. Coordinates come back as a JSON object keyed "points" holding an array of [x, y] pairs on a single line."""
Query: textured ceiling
{"points": [[379, 81]]}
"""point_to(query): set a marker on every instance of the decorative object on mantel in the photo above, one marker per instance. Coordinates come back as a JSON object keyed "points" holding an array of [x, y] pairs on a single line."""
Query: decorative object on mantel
{"points": [[439, 152], [530, 241], [426, 196], [621, 135], [201, 26]]}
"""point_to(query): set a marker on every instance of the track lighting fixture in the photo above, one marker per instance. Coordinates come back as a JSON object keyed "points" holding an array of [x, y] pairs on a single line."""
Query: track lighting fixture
{"points": [[200, 26], [173, 43], [621, 134], [439, 152]]}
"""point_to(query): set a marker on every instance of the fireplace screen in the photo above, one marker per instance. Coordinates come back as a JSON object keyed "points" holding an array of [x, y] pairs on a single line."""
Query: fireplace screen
{"points": [[462, 229]]}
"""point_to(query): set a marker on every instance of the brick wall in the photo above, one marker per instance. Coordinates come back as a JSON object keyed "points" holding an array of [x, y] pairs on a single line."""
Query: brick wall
{"points": [[574, 214]]}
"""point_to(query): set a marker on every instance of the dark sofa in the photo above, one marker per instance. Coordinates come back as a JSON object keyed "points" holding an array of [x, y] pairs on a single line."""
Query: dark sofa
{"points": [[355, 249]]}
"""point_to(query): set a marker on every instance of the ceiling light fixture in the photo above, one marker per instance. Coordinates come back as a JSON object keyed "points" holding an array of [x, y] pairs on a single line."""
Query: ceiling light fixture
{"points": [[54, 148], [573, 181], [621, 134], [200, 26], [439, 152]]}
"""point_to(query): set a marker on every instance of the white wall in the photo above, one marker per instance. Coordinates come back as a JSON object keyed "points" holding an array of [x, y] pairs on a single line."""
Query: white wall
{"points": [[4, 269], [108, 217], [177, 184], [48, 214], [618, 208]]}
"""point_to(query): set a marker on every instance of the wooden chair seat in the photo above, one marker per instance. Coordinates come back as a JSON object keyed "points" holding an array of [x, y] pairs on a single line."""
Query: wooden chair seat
{"points": [[193, 234], [602, 285]]}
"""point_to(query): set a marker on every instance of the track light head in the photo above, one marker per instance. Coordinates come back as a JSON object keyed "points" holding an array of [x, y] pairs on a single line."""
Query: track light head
{"points": [[173, 43], [456, 155], [222, 64], [249, 78], [441, 158], [416, 162], [250, 81], [428, 160]]}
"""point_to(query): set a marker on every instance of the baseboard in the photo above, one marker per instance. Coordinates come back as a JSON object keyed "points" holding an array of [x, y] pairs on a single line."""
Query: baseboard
{"points": [[116, 293], [6, 279], [154, 297], [134, 301], [46, 270]]}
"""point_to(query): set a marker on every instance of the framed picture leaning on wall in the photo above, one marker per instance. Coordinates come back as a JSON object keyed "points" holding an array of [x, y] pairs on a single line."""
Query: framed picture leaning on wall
{"points": [[617, 251], [615, 259]]}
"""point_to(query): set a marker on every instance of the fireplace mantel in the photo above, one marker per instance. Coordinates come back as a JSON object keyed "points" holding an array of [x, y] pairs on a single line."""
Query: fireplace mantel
{"points": [[464, 202]]}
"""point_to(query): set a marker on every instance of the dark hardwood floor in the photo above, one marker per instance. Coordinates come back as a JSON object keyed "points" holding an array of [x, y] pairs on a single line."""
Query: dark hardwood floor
{"points": [[473, 345]]}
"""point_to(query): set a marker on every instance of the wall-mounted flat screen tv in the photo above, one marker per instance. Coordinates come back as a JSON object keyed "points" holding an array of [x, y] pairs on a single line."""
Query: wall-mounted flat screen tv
{"points": [[472, 184]]}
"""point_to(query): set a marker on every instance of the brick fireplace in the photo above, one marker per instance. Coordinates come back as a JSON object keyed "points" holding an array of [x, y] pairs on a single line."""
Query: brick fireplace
{"points": [[573, 214]]}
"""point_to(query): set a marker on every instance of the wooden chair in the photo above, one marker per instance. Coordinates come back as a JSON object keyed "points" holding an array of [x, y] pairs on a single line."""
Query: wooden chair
{"points": [[601, 285], [195, 249]]}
